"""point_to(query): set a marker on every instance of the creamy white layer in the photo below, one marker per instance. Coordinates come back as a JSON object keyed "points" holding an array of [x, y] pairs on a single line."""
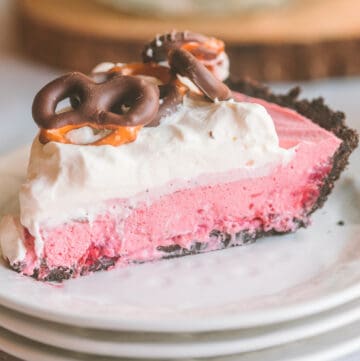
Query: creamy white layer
{"points": [[11, 239], [200, 139]]}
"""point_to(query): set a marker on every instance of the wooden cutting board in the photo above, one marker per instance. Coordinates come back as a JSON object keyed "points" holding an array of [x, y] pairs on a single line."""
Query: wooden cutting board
{"points": [[307, 39]]}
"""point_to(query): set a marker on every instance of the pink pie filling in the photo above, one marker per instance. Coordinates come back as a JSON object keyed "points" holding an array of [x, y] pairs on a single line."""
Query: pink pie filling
{"points": [[202, 218]]}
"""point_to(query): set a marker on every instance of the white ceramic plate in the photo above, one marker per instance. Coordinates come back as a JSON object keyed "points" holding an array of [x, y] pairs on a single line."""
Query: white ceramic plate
{"points": [[165, 345], [329, 346], [276, 279]]}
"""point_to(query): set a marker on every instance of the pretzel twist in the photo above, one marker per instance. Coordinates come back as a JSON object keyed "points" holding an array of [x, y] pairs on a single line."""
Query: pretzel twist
{"points": [[171, 89], [185, 64], [188, 54], [99, 106], [201, 46]]}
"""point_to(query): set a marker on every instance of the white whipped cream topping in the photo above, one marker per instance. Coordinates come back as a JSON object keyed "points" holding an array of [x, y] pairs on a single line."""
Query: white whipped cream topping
{"points": [[11, 241], [199, 139], [105, 67], [86, 135]]}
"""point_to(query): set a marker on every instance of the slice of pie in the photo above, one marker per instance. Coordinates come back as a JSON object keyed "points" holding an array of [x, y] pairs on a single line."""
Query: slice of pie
{"points": [[117, 180]]}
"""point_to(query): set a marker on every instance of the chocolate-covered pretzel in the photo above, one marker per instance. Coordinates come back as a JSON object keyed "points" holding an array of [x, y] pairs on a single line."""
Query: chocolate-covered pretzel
{"points": [[185, 64], [171, 89], [201, 46], [99, 106]]}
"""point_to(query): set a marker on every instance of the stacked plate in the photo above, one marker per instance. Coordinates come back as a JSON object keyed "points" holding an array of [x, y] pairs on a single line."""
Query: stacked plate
{"points": [[295, 297]]}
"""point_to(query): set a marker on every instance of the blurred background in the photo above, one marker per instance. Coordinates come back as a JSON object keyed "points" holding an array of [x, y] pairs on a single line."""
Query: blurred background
{"points": [[266, 39], [281, 42]]}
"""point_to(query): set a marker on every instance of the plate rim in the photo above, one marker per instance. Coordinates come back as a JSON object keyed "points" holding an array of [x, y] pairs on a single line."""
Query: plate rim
{"points": [[233, 343], [341, 349], [250, 320]]}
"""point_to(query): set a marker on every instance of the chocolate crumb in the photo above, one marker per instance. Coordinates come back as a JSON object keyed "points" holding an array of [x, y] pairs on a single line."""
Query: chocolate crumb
{"points": [[211, 134]]}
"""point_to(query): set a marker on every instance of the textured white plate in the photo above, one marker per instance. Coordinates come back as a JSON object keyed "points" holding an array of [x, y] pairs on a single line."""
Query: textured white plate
{"points": [[329, 346], [165, 345], [276, 279]]}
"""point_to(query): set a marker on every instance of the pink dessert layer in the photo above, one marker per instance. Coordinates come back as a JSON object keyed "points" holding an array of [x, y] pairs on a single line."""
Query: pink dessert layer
{"points": [[195, 219]]}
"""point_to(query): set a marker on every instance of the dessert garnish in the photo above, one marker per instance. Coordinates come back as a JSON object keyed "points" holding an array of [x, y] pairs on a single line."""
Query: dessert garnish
{"points": [[125, 97], [184, 63], [98, 106], [208, 50], [171, 90]]}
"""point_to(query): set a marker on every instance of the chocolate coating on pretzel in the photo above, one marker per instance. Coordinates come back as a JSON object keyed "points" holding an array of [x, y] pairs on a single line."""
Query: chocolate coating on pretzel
{"points": [[171, 95], [171, 90], [157, 50], [100, 104], [185, 64]]}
